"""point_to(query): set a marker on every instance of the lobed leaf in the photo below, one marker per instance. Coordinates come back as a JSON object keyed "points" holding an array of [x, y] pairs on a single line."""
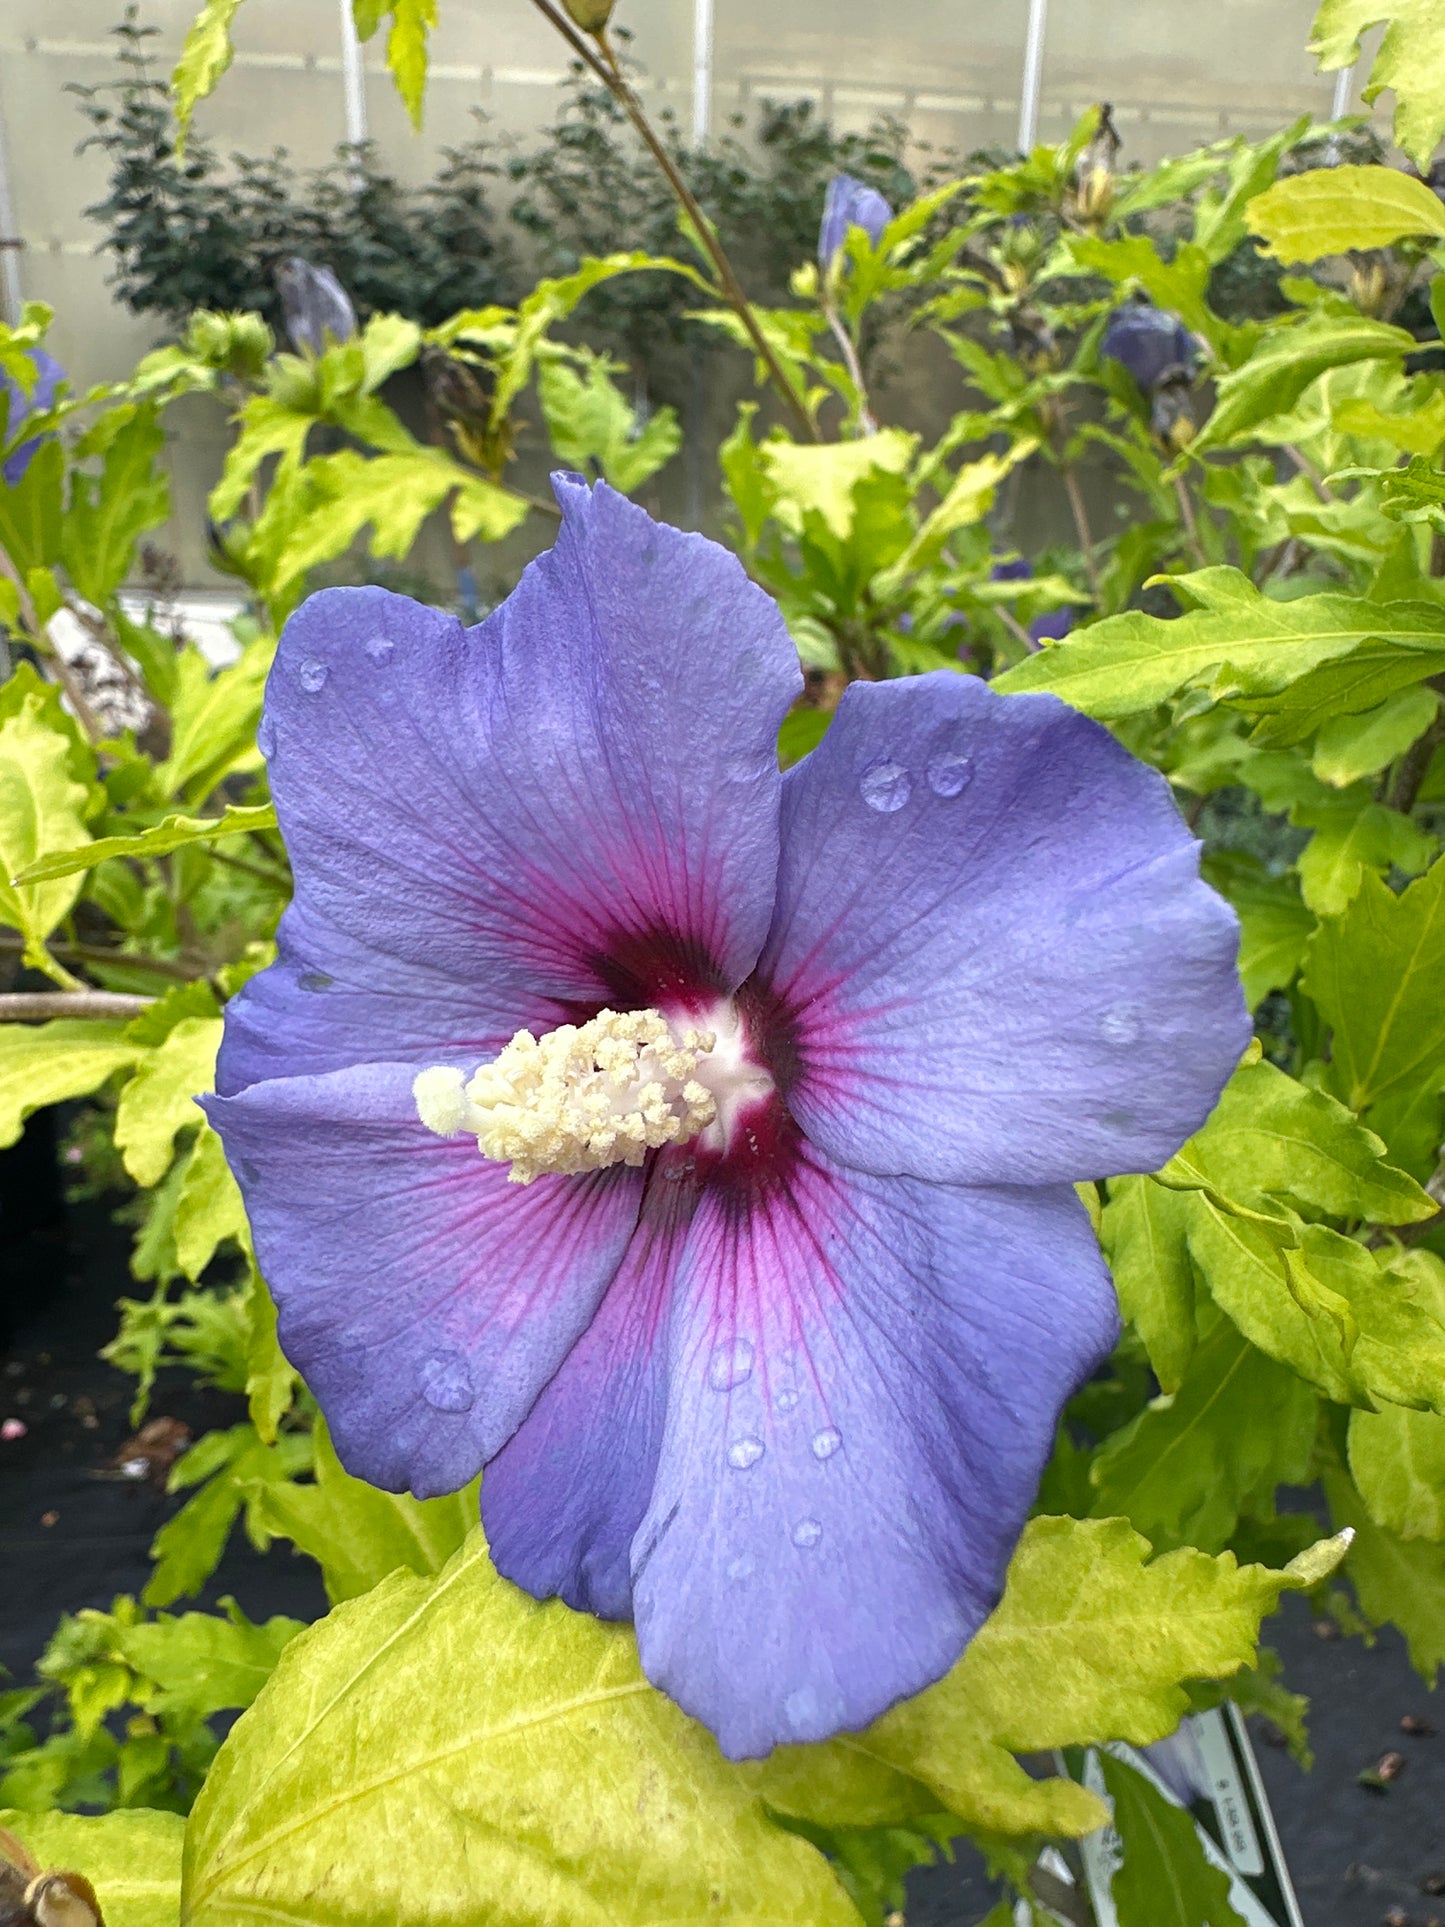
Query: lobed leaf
{"points": [[174, 833], [1330, 210], [44, 1064], [1410, 59], [204, 58]]}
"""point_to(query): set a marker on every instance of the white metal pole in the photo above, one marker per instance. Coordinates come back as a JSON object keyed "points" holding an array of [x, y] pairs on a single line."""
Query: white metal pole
{"points": [[353, 78], [1344, 87], [11, 294], [1033, 75], [702, 38]]}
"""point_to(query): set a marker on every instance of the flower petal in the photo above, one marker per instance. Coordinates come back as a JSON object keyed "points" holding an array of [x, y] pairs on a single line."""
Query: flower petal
{"points": [[834, 1509], [424, 1298], [576, 801], [564, 1498], [1001, 964]]}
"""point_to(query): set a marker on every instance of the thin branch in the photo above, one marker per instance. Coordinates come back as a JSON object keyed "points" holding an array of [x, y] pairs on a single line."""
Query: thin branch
{"points": [[1081, 524], [866, 420], [39, 1006], [1312, 475], [1191, 526], [1415, 764], [100, 954], [604, 64]]}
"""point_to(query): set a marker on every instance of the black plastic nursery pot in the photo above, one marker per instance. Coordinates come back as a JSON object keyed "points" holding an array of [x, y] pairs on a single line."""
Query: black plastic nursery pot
{"points": [[1365, 1847]]}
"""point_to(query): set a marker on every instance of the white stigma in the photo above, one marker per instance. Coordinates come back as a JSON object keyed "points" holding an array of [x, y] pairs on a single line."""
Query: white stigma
{"points": [[581, 1097]]}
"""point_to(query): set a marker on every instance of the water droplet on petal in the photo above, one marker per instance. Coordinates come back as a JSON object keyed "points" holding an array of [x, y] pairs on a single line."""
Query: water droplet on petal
{"points": [[312, 675], [807, 1532], [744, 1452], [885, 787], [378, 647], [826, 1442], [800, 1708], [949, 772], [1120, 1025], [446, 1383], [740, 1568], [730, 1365], [315, 980], [250, 1170], [787, 1399], [266, 738]]}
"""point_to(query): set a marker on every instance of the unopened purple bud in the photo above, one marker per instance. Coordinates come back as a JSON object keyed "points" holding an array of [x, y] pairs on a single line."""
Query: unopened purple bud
{"points": [[1053, 627], [1150, 344], [48, 377], [850, 203], [1016, 571], [315, 304]]}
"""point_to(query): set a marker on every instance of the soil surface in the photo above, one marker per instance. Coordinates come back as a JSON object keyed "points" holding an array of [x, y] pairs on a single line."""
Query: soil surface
{"points": [[72, 1536]]}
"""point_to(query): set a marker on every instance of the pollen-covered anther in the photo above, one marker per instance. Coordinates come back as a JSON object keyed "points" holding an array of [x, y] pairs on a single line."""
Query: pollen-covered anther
{"points": [[579, 1098]]}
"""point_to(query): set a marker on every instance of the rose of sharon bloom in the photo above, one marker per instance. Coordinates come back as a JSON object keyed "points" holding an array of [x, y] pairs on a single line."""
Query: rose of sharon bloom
{"points": [[1153, 346], [693, 1145], [850, 203], [317, 308], [48, 376]]}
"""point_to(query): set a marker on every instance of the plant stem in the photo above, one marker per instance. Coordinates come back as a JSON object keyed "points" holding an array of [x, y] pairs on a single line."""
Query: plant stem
{"points": [[1081, 524], [37, 1006], [604, 64], [1415, 763], [1312, 475], [1191, 526], [866, 419], [98, 953]]}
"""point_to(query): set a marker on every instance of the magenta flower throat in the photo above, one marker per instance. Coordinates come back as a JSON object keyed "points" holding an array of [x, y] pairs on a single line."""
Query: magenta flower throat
{"points": [[692, 1145]]}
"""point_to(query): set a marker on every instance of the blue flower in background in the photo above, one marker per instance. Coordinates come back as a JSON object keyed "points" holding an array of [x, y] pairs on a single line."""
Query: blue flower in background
{"points": [[318, 309], [1153, 346], [1052, 626], [693, 1145], [48, 377], [850, 203]]}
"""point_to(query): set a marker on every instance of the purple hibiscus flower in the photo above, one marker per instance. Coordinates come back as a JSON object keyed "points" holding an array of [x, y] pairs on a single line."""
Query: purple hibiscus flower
{"points": [[19, 406], [767, 1348], [1155, 347], [850, 203], [318, 309]]}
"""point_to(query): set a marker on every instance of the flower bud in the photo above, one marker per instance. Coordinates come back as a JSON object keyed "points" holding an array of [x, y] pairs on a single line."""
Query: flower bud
{"points": [[48, 376], [850, 203], [1154, 347], [316, 306], [590, 15]]}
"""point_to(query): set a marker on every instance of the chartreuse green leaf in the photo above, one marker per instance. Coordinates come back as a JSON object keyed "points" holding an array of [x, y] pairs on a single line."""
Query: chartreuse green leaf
{"points": [[1185, 1467], [41, 807], [1163, 1878], [1397, 1581], [358, 1534], [1350, 747], [1284, 364], [821, 476], [1397, 1460], [132, 1859], [1411, 60], [160, 1099], [1333, 209], [205, 1662], [208, 1206], [204, 58], [1275, 923], [1376, 973], [590, 420], [172, 834], [30, 512], [213, 721], [110, 512], [406, 44], [542, 1778], [1237, 643], [47, 1063], [231, 1467], [1114, 1637], [270, 1379], [1145, 1237], [1354, 837]]}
